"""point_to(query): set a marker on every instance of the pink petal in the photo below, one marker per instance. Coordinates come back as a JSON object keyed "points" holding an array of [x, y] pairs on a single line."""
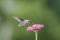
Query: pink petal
{"points": [[37, 26], [29, 29]]}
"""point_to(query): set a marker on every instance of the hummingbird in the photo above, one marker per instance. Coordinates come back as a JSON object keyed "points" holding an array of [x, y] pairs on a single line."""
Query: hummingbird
{"points": [[21, 21]]}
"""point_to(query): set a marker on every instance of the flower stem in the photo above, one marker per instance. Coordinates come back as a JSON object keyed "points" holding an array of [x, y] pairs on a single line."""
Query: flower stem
{"points": [[36, 35]]}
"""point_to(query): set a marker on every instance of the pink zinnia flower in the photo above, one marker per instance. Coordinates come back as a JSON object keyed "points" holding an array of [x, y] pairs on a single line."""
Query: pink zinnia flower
{"points": [[29, 29], [35, 27]]}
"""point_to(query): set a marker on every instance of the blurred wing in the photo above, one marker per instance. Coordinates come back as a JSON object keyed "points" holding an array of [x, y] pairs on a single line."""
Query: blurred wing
{"points": [[18, 19], [21, 24]]}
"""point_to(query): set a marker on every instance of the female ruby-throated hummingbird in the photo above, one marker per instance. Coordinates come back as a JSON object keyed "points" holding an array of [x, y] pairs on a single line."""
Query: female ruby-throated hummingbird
{"points": [[21, 21]]}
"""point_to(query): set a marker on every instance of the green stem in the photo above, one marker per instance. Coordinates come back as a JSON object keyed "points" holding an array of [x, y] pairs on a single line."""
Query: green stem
{"points": [[36, 35]]}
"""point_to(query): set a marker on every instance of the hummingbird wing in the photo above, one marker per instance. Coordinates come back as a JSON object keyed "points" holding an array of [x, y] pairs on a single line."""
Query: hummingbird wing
{"points": [[18, 19], [21, 24]]}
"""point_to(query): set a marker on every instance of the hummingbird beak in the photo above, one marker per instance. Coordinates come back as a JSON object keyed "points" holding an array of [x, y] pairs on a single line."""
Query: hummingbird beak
{"points": [[29, 22]]}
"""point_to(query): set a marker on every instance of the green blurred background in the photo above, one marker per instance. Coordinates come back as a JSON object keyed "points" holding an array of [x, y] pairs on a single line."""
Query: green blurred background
{"points": [[45, 12]]}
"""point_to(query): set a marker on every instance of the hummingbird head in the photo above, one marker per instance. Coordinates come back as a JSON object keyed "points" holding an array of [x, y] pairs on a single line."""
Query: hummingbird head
{"points": [[28, 21]]}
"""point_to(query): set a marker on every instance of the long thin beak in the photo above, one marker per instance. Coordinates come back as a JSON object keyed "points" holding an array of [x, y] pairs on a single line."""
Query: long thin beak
{"points": [[29, 22]]}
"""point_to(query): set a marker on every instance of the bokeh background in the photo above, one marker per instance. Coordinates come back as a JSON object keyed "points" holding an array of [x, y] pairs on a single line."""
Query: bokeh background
{"points": [[45, 12]]}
